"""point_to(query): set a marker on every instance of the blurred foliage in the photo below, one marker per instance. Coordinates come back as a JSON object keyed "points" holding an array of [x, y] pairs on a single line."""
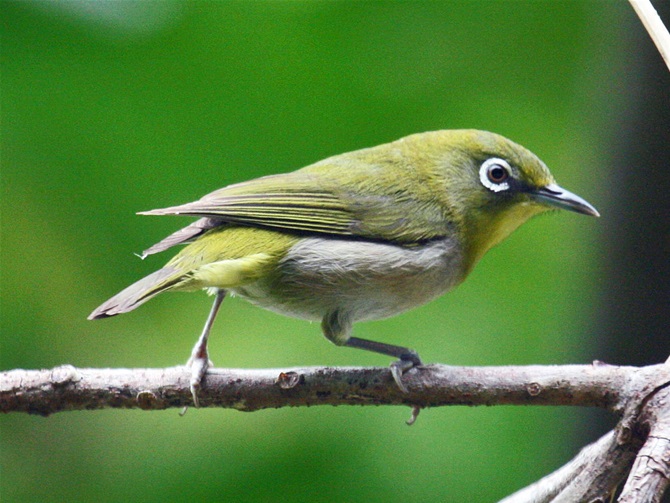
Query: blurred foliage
{"points": [[109, 108]]}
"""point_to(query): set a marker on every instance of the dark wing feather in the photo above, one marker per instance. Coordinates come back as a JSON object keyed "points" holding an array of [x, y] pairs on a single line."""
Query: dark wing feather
{"points": [[297, 211], [183, 236]]}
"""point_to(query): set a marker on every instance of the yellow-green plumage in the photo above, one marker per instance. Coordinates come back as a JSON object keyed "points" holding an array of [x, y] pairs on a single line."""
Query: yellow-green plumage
{"points": [[230, 256], [362, 235], [224, 257]]}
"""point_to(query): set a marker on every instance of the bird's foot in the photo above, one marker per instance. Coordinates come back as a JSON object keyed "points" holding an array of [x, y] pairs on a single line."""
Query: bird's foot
{"points": [[399, 367], [198, 363], [199, 368]]}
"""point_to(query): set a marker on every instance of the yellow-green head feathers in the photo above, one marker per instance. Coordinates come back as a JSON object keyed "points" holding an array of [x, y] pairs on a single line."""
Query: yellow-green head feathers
{"points": [[473, 184]]}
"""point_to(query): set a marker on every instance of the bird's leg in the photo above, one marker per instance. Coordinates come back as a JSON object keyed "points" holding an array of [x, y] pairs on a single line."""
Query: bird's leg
{"points": [[199, 360], [337, 325], [407, 358]]}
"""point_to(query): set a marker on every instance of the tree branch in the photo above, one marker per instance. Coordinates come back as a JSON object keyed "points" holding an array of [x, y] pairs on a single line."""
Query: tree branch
{"points": [[639, 395], [650, 474], [68, 388]]}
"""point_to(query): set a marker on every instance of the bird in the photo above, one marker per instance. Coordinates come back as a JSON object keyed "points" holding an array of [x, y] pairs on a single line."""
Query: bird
{"points": [[363, 235]]}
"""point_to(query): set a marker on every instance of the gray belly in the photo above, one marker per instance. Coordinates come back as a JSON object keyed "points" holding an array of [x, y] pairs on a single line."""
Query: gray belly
{"points": [[366, 280]]}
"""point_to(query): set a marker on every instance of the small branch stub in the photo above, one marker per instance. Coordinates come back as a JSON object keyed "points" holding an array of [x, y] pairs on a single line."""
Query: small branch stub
{"points": [[288, 380], [534, 389]]}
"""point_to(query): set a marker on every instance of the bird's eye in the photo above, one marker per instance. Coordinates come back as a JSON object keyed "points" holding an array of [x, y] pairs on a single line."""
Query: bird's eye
{"points": [[497, 174], [494, 173]]}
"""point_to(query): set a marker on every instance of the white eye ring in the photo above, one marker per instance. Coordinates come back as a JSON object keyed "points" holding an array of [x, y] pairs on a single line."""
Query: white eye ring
{"points": [[494, 174]]}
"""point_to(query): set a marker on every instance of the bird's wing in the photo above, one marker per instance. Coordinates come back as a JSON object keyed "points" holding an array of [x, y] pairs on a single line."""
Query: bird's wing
{"points": [[309, 202], [276, 201]]}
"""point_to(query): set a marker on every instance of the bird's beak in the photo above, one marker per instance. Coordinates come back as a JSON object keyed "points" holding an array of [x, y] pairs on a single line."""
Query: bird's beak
{"points": [[554, 195]]}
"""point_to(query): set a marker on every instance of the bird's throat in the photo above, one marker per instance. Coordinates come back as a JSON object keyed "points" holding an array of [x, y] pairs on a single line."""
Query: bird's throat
{"points": [[485, 230]]}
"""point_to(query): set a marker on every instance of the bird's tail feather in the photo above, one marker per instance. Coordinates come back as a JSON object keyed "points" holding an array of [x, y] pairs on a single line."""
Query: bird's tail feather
{"points": [[138, 293]]}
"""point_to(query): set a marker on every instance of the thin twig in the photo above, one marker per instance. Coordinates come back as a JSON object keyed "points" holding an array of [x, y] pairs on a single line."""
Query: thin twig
{"points": [[655, 27]]}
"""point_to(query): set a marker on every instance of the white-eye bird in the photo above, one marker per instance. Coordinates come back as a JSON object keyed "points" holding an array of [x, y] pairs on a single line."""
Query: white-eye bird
{"points": [[359, 236]]}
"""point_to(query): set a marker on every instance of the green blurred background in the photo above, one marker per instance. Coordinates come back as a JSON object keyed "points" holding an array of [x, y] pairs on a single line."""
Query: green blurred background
{"points": [[109, 108]]}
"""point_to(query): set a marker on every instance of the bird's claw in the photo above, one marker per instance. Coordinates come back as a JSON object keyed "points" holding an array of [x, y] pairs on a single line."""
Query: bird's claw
{"points": [[415, 413], [399, 367], [198, 365]]}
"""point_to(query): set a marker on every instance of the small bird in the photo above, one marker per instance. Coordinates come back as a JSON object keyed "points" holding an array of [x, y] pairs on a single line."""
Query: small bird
{"points": [[360, 236]]}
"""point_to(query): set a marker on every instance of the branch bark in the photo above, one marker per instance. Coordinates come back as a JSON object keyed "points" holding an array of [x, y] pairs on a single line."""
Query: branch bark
{"points": [[638, 448], [68, 388]]}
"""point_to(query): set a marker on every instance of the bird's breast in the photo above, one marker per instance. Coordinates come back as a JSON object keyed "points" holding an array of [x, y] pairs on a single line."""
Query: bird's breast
{"points": [[369, 280]]}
